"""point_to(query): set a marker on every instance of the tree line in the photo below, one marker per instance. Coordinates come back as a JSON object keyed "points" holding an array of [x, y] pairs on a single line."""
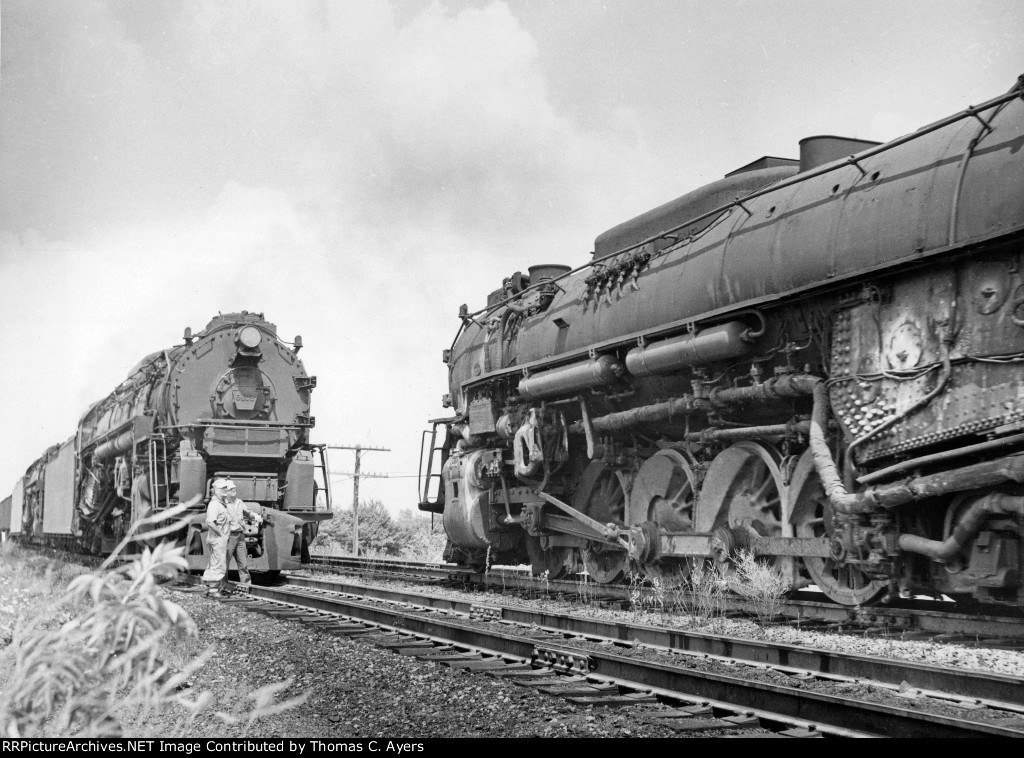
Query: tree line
{"points": [[411, 535]]}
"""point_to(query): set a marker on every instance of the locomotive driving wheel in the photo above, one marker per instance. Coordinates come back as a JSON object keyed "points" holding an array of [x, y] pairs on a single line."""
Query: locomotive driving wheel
{"points": [[601, 494], [744, 491], [663, 492], [604, 563], [812, 517], [555, 561]]}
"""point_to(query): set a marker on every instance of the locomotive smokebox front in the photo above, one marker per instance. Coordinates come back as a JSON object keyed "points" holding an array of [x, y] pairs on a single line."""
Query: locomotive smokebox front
{"points": [[241, 392]]}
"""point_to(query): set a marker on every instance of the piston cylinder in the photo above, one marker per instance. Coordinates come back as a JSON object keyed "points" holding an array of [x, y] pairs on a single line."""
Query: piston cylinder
{"points": [[465, 499], [571, 378], [718, 343]]}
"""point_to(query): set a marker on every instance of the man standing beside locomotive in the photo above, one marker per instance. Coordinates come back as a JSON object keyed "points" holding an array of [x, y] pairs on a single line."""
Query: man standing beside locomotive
{"points": [[224, 517]]}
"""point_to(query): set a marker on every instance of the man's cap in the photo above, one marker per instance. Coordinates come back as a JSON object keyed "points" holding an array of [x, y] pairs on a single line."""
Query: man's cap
{"points": [[222, 483]]}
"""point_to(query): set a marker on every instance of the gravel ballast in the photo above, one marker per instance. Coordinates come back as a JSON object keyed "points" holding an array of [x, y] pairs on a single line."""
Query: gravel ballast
{"points": [[353, 689], [848, 640]]}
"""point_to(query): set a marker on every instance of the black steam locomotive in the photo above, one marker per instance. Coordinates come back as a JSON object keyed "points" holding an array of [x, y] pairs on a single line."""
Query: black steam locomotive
{"points": [[232, 401], [817, 361]]}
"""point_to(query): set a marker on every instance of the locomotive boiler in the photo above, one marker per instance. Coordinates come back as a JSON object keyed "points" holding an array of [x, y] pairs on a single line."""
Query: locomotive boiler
{"points": [[816, 361], [231, 401]]}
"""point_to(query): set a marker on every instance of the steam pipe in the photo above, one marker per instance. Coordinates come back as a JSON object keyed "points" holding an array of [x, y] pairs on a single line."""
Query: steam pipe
{"points": [[946, 455], [992, 504], [777, 388], [991, 473], [645, 414], [501, 338], [120, 444], [976, 476], [954, 212], [748, 432], [786, 386], [588, 428]]}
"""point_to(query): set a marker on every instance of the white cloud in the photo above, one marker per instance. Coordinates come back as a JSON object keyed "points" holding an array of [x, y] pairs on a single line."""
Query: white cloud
{"points": [[352, 175]]}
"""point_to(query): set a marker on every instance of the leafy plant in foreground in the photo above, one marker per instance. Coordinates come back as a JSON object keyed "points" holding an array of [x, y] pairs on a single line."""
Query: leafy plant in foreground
{"points": [[86, 676]]}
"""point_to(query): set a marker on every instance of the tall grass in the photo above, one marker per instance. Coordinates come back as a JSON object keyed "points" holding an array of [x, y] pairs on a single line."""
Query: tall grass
{"points": [[647, 593], [586, 589], [704, 590], [700, 588], [759, 583], [92, 660]]}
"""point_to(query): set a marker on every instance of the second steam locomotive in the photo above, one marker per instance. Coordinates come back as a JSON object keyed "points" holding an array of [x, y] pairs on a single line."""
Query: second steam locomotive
{"points": [[232, 401], [814, 361]]}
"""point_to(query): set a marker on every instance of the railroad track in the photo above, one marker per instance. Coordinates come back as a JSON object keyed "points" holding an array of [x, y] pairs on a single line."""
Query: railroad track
{"points": [[740, 688], [921, 620], [415, 569], [837, 666], [907, 619]]}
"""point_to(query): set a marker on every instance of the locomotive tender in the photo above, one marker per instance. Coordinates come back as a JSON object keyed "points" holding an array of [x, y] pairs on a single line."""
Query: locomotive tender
{"points": [[815, 361], [232, 401]]}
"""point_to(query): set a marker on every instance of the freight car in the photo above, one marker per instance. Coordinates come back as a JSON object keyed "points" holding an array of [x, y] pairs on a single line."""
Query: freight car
{"points": [[231, 401], [816, 361], [5, 518]]}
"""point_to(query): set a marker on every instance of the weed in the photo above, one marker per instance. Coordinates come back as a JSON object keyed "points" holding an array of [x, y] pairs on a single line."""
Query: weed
{"points": [[759, 583], [705, 598], [585, 589], [647, 593]]}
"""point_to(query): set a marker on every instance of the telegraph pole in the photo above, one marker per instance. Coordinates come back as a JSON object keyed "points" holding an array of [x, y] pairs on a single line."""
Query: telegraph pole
{"points": [[359, 450]]}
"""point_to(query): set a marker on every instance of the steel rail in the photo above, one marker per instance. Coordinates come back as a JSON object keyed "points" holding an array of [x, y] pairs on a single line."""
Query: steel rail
{"points": [[784, 701], [398, 568], [909, 616], [344, 560], [960, 683]]}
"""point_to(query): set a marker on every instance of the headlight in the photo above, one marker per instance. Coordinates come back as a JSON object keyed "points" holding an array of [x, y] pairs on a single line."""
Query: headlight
{"points": [[248, 337]]}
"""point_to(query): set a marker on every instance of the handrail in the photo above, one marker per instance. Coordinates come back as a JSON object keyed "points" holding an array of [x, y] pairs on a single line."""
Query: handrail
{"points": [[423, 480]]}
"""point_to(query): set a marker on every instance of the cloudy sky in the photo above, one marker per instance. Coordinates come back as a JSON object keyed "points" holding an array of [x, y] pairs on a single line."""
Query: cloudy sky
{"points": [[357, 170]]}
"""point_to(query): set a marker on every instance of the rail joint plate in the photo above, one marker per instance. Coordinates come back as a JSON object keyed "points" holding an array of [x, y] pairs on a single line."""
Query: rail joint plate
{"points": [[561, 660]]}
